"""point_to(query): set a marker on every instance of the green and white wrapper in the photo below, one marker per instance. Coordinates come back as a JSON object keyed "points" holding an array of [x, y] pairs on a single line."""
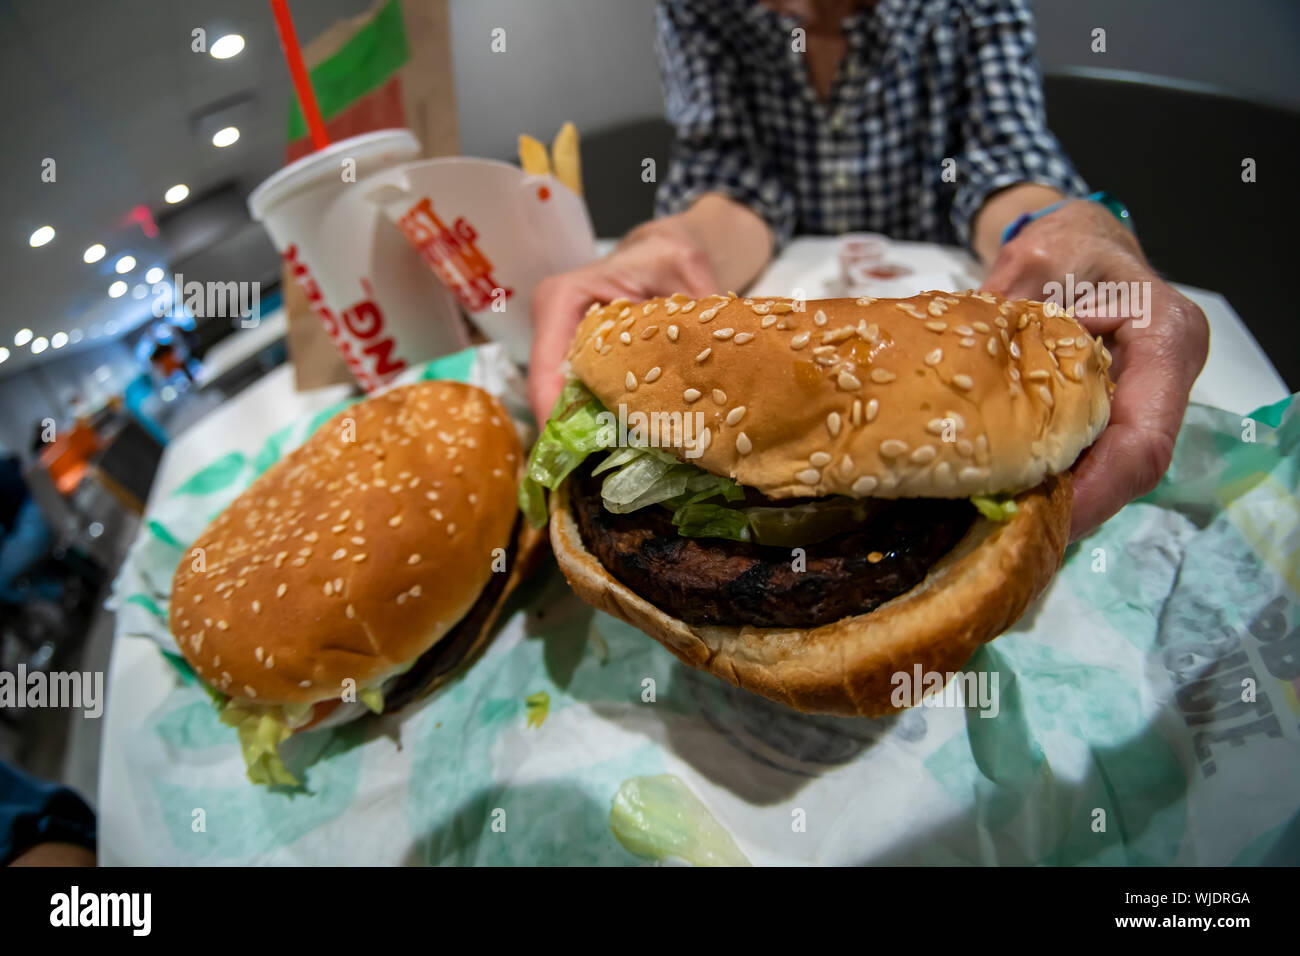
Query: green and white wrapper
{"points": [[1147, 712]]}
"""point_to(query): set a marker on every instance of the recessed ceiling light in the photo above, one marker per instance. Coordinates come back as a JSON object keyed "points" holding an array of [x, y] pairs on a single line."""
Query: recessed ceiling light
{"points": [[39, 345], [94, 253], [222, 137], [58, 340], [177, 193], [154, 275], [125, 265], [140, 291], [75, 336], [44, 234], [4, 353], [117, 289], [227, 46], [22, 337]]}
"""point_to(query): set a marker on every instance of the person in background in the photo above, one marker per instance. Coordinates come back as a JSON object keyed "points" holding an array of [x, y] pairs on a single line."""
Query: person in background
{"points": [[42, 823], [855, 134], [25, 538]]}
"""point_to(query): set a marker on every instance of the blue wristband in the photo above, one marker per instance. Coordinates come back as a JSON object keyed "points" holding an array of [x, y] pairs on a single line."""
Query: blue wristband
{"points": [[1117, 209]]}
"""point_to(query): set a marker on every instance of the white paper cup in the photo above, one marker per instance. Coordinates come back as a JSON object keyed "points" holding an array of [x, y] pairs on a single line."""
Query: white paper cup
{"points": [[382, 309], [490, 232]]}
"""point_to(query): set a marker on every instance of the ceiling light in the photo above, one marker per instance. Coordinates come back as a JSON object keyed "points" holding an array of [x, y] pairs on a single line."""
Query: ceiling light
{"points": [[154, 275], [75, 336], [58, 340], [177, 193], [140, 291], [44, 234], [94, 253], [4, 353], [110, 328], [22, 337], [39, 345], [222, 137], [117, 289], [227, 46], [125, 265]]}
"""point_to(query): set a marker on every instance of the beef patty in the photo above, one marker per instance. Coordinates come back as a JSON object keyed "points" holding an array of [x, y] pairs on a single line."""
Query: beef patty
{"points": [[716, 581]]}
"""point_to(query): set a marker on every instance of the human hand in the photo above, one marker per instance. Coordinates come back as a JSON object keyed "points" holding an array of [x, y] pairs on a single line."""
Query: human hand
{"points": [[1157, 353], [659, 258]]}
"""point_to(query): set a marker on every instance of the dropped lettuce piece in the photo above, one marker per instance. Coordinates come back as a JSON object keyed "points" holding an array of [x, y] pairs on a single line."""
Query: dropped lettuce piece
{"points": [[995, 508], [571, 434], [373, 698], [704, 520], [536, 707], [659, 817]]}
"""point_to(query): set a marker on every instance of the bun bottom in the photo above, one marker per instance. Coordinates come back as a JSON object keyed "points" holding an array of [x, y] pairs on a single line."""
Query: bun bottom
{"points": [[846, 668]]}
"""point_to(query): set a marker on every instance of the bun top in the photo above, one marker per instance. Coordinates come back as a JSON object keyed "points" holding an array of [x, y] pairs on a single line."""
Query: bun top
{"points": [[356, 552], [941, 395]]}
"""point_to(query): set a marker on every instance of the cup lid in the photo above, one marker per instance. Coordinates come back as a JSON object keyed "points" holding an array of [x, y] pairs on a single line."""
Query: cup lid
{"points": [[312, 168]]}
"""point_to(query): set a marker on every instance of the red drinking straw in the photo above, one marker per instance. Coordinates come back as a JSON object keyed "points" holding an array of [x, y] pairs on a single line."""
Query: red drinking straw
{"points": [[298, 71]]}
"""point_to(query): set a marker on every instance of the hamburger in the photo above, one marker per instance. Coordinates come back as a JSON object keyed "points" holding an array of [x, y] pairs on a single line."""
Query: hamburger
{"points": [[850, 487], [360, 571]]}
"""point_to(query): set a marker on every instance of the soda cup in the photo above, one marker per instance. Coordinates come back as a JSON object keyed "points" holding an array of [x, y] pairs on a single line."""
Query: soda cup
{"points": [[382, 308]]}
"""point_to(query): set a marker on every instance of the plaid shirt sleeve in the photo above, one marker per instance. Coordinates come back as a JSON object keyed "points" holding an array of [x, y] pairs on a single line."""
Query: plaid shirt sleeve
{"points": [[1004, 131], [717, 147]]}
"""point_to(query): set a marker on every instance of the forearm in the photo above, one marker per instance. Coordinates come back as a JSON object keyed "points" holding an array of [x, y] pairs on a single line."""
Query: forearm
{"points": [[1000, 209], [733, 238]]}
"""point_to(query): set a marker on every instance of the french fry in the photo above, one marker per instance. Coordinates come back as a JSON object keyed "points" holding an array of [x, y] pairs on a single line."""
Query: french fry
{"points": [[566, 158], [532, 156]]}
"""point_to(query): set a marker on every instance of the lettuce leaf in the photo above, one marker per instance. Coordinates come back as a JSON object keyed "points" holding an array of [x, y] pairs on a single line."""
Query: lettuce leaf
{"points": [[570, 435], [261, 732], [703, 520], [995, 508]]}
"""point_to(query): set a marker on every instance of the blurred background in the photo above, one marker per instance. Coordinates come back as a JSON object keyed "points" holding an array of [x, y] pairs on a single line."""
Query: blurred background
{"points": [[129, 156]]}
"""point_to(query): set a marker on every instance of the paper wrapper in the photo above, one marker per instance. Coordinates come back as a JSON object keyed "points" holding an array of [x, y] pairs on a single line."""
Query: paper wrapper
{"points": [[1147, 715]]}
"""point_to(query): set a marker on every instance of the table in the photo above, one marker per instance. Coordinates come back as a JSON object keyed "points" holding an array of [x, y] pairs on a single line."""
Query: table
{"points": [[1237, 377]]}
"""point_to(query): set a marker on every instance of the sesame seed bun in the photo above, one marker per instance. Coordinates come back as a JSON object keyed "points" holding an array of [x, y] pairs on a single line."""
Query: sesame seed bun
{"points": [[847, 667], [355, 553], [940, 395]]}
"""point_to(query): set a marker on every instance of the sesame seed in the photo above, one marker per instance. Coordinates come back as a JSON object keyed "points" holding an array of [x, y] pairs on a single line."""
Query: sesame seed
{"points": [[328, 588], [304, 683], [992, 346], [671, 308], [865, 485], [971, 473], [648, 308], [936, 326], [809, 476], [270, 661], [672, 333], [350, 611], [257, 607], [357, 539], [625, 313], [720, 396], [964, 330], [279, 592], [882, 376], [819, 317], [629, 381], [893, 446], [782, 307], [963, 382], [649, 331], [223, 625], [833, 423], [723, 333], [824, 350], [1045, 394], [625, 338], [703, 355], [768, 321], [451, 528], [743, 444], [743, 337], [873, 408], [395, 520], [800, 340], [934, 357], [259, 653], [924, 455], [761, 308], [1015, 350], [341, 553], [735, 415], [981, 327], [691, 395], [653, 375], [688, 306], [413, 559], [847, 382], [1038, 375], [249, 692], [708, 314], [1078, 370], [819, 459]]}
